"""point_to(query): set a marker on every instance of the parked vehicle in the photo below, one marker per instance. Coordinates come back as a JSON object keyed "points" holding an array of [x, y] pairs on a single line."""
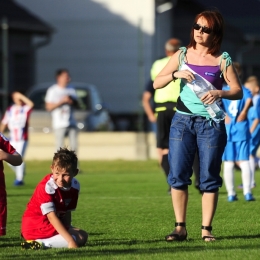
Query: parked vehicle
{"points": [[89, 113]]}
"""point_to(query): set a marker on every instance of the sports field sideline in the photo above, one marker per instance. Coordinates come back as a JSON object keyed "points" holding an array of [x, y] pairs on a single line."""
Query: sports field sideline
{"points": [[126, 210]]}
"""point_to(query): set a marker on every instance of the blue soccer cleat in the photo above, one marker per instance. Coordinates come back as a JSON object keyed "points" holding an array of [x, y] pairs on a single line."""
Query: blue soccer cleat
{"points": [[18, 183], [232, 198], [249, 197]]}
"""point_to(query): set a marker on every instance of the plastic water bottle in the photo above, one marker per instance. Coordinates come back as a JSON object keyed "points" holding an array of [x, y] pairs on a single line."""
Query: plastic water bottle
{"points": [[215, 111]]}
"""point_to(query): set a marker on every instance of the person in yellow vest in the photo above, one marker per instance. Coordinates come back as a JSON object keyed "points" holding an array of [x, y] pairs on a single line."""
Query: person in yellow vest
{"points": [[165, 103]]}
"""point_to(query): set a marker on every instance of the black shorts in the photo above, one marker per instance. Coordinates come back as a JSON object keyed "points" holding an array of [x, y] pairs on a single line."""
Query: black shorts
{"points": [[164, 119]]}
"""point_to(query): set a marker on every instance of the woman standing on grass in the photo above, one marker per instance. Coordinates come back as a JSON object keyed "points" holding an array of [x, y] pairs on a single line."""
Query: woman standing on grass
{"points": [[192, 128]]}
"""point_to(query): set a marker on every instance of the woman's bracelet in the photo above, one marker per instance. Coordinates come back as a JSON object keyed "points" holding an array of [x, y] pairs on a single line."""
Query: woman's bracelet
{"points": [[174, 78]]}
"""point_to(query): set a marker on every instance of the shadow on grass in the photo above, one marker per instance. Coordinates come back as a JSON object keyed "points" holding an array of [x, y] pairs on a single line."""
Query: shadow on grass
{"points": [[27, 195], [95, 234], [239, 236], [127, 242], [86, 252], [10, 241], [120, 242]]}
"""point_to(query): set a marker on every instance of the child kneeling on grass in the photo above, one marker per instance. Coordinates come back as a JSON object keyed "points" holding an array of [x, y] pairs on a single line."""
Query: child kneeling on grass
{"points": [[46, 222]]}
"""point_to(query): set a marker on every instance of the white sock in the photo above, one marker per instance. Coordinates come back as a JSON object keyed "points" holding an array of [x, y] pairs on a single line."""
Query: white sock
{"points": [[246, 176], [55, 242], [252, 168], [228, 174], [19, 171], [12, 167]]}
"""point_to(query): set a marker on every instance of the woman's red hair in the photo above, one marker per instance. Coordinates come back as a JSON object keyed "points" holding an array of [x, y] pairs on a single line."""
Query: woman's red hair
{"points": [[216, 23]]}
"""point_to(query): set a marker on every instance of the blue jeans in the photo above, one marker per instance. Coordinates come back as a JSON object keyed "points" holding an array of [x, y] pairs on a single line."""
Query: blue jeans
{"points": [[191, 133]]}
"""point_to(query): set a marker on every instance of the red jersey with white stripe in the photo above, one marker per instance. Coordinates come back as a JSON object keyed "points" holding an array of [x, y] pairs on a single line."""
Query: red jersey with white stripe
{"points": [[16, 118], [48, 197]]}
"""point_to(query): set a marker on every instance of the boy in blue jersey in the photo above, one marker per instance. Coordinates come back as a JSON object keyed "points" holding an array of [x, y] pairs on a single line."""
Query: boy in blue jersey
{"points": [[238, 139], [252, 84]]}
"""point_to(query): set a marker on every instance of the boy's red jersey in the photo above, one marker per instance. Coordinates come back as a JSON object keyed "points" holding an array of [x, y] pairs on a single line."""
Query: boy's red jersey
{"points": [[46, 198]]}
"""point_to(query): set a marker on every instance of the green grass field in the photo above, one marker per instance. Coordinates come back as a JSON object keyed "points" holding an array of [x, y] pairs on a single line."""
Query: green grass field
{"points": [[126, 210]]}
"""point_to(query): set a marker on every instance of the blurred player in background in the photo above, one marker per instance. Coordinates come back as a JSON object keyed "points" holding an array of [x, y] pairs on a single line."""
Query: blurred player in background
{"points": [[11, 156], [238, 139], [60, 100], [16, 118], [252, 84], [46, 222], [165, 104], [148, 104]]}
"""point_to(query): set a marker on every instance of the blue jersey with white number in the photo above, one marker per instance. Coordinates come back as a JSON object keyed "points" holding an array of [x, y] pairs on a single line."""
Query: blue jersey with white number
{"points": [[236, 131]]}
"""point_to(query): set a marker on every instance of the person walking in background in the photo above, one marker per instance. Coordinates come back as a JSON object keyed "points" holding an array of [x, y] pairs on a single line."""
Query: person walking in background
{"points": [[192, 128], [252, 84], [60, 100], [238, 139], [165, 103], [16, 119]]}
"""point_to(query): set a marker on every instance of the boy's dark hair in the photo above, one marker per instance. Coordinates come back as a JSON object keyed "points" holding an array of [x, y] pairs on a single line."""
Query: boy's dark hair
{"points": [[60, 71], [65, 159]]}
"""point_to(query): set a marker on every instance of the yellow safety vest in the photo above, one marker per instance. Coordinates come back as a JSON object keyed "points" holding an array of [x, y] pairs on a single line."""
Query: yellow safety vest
{"points": [[171, 92]]}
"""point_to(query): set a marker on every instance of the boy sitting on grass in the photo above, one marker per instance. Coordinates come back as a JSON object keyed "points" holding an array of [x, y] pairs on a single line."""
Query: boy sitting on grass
{"points": [[46, 222]]}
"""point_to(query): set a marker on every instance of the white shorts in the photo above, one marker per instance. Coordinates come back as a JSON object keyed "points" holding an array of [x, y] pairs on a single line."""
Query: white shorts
{"points": [[55, 242]]}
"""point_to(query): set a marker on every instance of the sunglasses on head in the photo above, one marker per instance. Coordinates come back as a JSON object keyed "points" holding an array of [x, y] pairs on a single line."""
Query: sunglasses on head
{"points": [[204, 29]]}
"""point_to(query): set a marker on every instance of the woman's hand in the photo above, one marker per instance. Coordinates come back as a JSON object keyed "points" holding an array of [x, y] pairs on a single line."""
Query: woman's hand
{"points": [[210, 97], [184, 74]]}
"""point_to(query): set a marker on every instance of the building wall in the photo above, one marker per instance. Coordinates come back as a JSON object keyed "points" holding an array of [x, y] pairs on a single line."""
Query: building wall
{"points": [[20, 61], [99, 41]]}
